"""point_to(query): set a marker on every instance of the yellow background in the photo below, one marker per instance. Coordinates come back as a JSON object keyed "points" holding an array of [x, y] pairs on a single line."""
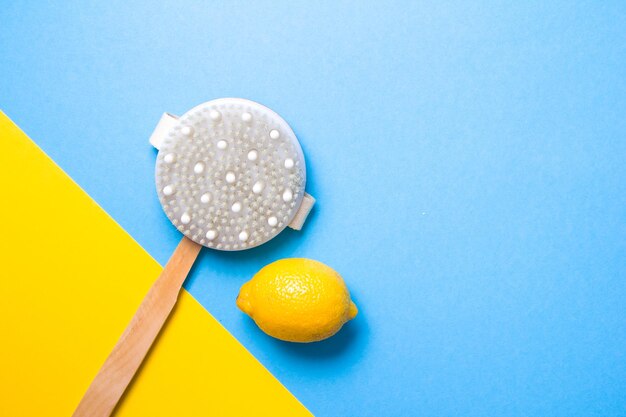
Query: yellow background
{"points": [[71, 279]]}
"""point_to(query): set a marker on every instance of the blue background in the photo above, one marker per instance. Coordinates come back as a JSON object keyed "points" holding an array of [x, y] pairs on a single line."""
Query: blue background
{"points": [[469, 160]]}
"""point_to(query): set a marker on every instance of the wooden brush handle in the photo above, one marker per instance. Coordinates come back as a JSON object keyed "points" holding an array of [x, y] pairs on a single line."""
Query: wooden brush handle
{"points": [[126, 357]]}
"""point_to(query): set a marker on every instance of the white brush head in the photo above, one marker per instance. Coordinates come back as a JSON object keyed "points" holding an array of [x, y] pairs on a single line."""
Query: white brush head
{"points": [[230, 174]]}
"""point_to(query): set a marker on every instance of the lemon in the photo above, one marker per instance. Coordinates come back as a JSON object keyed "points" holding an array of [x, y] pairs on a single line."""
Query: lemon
{"points": [[297, 300]]}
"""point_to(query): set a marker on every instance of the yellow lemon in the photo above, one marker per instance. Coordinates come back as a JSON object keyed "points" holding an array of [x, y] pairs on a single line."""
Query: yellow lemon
{"points": [[297, 300]]}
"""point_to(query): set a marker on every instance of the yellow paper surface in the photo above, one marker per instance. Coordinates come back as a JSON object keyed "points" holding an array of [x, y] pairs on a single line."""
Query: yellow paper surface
{"points": [[71, 279]]}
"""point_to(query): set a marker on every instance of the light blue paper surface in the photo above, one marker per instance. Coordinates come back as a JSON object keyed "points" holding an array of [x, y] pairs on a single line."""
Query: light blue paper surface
{"points": [[469, 161]]}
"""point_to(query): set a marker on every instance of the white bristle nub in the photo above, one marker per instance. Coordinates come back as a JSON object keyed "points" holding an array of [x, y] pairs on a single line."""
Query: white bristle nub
{"points": [[258, 187], [287, 195], [230, 175], [168, 190]]}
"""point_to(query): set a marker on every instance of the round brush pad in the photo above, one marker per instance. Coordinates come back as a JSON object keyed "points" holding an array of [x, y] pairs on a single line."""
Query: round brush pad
{"points": [[230, 174]]}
